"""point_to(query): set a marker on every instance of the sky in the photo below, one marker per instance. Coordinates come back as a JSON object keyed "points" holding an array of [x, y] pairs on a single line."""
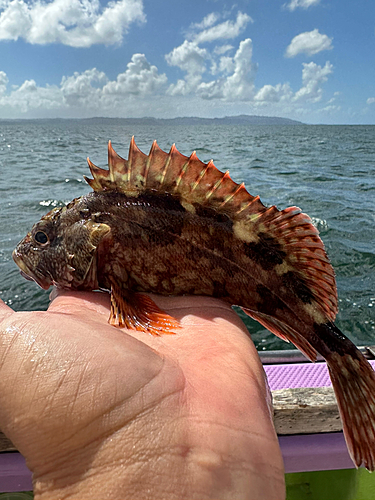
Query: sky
{"points": [[309, 60]]}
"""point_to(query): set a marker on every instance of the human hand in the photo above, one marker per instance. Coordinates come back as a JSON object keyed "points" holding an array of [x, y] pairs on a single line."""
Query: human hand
{"points": [[100, 412]]}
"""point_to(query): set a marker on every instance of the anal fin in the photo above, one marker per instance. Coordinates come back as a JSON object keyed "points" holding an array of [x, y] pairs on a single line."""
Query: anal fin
{"points": [[284, 332], [138, 312]]}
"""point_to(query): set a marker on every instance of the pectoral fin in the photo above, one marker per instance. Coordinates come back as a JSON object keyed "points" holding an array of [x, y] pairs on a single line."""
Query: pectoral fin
{"points": [[138, 312], [89, 235]]}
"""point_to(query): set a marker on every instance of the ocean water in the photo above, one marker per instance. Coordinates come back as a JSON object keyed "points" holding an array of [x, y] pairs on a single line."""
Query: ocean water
{"points": [[328, 171]]}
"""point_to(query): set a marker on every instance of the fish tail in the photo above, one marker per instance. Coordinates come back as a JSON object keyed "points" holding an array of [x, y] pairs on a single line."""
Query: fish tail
{"points": [[353, 380]]}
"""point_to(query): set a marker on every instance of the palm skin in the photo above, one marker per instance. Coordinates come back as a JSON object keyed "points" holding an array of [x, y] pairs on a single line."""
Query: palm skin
{"points": [[102, 412]]}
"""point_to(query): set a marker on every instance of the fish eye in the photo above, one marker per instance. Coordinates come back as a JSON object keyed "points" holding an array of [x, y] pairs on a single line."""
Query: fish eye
{"points": [[41, 237]]}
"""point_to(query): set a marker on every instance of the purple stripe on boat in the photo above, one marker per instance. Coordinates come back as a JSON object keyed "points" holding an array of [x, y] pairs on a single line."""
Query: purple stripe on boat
{"points": [[310, 452], [314, 452], [299, 375], [14, 475]]}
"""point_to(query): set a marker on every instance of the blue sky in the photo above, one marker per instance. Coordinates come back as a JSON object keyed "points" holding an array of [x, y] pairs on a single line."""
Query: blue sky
{"points": [[311, 60]]}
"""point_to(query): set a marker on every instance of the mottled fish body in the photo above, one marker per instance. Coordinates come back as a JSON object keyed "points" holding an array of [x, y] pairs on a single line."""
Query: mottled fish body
{"points": [[172, 225]]}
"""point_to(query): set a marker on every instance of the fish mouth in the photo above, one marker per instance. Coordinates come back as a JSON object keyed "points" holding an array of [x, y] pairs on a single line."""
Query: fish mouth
{"points": [[44, 283]]}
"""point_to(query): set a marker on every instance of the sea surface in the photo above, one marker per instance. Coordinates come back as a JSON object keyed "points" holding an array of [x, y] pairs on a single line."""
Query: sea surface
{"points": [[328, 171]]}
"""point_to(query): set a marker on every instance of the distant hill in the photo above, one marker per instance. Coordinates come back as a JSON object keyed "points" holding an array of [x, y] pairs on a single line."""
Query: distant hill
{"points": [[194, 120], [184, 120]]}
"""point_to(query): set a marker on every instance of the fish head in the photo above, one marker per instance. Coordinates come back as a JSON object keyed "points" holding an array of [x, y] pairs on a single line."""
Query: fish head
{"points": [[60, 248]]}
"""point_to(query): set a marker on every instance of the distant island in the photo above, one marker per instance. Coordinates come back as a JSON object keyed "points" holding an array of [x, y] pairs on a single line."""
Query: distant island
{"points": [[183, 120], [194, 120]]}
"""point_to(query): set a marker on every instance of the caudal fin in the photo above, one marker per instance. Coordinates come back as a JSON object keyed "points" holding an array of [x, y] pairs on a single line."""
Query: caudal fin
{"points": [[353, 380]]}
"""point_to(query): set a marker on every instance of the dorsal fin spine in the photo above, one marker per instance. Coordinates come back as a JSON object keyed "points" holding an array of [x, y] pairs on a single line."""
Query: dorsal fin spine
{"points": [[92, 183], [117, 165], [213, 189], [92, 166], [111, 153], [245, 205], [229, 197], [193, 157], [149, 160], [132, 151], [167, 163], [98, 174], [182, 173]]}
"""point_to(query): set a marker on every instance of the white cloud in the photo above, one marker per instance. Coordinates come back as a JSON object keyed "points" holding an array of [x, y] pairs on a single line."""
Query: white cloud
{"points": [[14, 20], [206, 22], [27, 86], [222, 49], [272, 94], [30, 97], [310, 43], [332, 109], [226, 30], [313, 76], [77, 23], [236, 74], [311, 91], [234, 77], [226, 64], [82, 93], [186, 86], [132, 94], [189, 57], [240, 85], [83, 89], [142, 91], [140, 78], [370, 100], [3, 82], [303, 4]]}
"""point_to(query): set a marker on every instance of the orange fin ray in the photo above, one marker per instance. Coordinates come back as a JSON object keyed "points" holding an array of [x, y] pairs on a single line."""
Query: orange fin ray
{"points": [[138, 312], [303, 254]]}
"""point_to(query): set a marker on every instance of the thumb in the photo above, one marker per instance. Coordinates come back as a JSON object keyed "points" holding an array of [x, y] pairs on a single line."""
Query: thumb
{"points": [[5, 311]]}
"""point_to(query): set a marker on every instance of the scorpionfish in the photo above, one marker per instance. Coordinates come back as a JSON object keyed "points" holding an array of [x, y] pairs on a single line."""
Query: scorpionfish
{"points": [[170, 224]]}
